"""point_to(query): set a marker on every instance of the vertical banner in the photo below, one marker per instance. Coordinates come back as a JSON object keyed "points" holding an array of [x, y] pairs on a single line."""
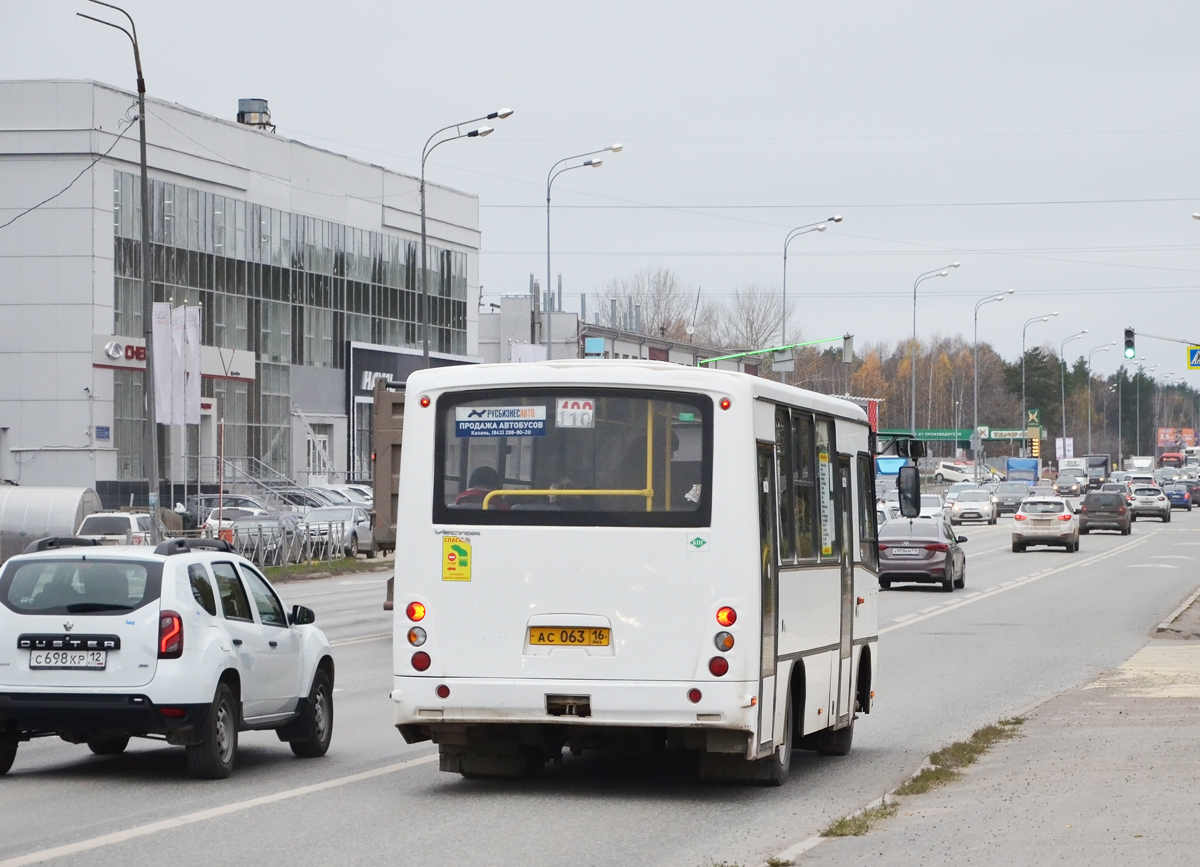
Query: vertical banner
{"points": [[160, 376], [177, 360], [191, 366]]}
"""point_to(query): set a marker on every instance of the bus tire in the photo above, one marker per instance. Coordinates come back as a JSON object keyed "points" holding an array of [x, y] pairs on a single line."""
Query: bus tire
{"points": [[777, 766], [836, 742]]}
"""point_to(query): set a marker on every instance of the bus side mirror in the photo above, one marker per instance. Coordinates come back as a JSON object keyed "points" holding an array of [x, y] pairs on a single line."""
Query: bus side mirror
{"points": [[908, 483]]}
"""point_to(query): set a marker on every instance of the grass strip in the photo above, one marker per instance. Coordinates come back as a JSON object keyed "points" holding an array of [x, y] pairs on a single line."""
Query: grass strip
{"points": [[946, 763], [861, 822], [323, 568]]}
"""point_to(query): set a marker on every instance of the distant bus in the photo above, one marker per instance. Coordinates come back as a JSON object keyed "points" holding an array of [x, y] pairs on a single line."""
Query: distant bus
{"points": [[616, 554], [1170, 459]]}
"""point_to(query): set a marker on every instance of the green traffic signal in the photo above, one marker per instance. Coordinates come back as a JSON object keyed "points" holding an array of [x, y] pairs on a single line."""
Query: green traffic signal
{"points": [[1130, 351]]}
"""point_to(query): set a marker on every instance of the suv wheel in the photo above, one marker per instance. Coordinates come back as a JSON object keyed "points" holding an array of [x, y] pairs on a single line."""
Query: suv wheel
{"points": [[212, 758], [8, 753], [317, 719]]}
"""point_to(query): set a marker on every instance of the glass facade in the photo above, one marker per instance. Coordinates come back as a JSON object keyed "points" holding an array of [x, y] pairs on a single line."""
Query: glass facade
{"points": [[290, 288]]}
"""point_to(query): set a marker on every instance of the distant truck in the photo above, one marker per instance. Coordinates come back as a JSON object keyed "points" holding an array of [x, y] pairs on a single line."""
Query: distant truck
{"points": [[1097, 467], [1139, 464], [1027, 470], [1072, 464]]}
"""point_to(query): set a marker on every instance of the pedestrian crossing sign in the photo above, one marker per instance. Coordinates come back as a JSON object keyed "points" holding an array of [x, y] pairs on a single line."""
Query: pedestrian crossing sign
{"points": [[1194, 358]]}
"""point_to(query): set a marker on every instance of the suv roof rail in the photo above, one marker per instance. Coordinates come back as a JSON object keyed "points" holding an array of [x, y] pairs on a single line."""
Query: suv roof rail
{"points": [[49, 543], [183, 546]]}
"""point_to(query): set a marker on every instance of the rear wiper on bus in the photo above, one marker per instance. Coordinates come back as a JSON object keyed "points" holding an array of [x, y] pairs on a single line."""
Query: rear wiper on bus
{"points": [[88, 607]]}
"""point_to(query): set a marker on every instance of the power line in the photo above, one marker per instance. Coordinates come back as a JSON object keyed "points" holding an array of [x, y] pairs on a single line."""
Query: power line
{"points": [[129, 126], [848, 206]]}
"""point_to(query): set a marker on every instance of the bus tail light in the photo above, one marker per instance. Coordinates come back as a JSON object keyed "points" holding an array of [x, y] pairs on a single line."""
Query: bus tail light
{"points": [[694, 695], [724, 641], [415, 611], [442, 691], [726, 616], [420, 660], [718, 666], [725, 403], [170, 635]]}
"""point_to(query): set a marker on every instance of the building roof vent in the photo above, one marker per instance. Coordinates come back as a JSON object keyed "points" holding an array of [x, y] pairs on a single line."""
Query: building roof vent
{"points": [[254, 112]]}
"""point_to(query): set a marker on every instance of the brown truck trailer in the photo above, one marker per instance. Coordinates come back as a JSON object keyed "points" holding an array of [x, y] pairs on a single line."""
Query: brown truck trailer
{"points": [[387, 436]]}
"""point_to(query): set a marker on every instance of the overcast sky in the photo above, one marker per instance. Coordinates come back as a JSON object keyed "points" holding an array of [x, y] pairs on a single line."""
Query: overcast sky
{"points": [[1053, 148]]}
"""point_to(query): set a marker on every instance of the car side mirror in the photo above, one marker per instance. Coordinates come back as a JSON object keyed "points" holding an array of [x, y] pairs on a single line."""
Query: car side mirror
{"points": [[960, 539], [1078, 511], [908, 484], [301, 616]]}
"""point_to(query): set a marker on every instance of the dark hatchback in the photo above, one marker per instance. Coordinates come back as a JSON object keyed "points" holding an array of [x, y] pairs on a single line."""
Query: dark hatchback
{"points": [[1010, 495], [1101, 510], [921, 551]]}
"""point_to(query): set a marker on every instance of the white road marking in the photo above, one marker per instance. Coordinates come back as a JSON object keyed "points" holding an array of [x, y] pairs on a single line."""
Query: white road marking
{"points": [[362, 639], [205, 815], [1151, 566], [1172, 557], [363, 581], [1011, 585]]}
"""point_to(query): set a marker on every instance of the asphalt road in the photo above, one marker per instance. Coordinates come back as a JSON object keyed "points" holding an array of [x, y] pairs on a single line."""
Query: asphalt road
{"points": [[1027, 627]]}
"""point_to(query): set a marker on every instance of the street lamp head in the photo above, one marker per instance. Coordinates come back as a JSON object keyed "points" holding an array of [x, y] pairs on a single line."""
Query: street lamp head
{"points": [[943, 273], [821, 228], [502, 114], [616, 148], [955, 264], [595, 164], [1055, 313], [481, 132], [1010, 291], [1196, 216], [836, 219]]}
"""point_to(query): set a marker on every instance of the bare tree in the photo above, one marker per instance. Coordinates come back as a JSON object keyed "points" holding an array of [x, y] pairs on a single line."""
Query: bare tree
{"points": [[751, 319], [657, 295]]}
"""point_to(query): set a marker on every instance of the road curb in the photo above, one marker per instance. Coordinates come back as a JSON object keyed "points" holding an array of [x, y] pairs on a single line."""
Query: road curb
{"points": [[1165, 626]]}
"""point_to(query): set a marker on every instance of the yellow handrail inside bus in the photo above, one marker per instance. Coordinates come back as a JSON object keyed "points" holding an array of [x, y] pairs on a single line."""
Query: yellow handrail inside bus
{"points": [[650, 456], [560, 492]]}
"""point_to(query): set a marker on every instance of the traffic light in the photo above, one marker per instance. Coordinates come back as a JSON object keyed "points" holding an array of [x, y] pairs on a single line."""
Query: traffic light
{"points": [[1130, 352], [1035, 448]]}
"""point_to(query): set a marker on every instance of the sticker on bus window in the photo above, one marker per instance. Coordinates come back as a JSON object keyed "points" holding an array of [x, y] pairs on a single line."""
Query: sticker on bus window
{"points": [[828, 519], [500, 421], [456, 559], [575, 412], [687, 416]]}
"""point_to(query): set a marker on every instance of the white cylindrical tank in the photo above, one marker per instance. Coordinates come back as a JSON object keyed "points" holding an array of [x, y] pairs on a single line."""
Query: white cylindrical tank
{"points": [[27, 514]]}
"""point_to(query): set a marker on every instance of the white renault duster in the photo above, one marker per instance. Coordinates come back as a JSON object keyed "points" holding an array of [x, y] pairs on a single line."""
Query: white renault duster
{"points": [[186, 643]]}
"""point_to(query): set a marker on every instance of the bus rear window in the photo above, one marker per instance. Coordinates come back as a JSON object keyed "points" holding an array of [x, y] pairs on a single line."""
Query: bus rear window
{"points": [[587, 457]]}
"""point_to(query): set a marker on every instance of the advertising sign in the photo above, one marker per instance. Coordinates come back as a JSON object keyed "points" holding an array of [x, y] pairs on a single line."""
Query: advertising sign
{"points": [[1064, 447], [1167, 436]]}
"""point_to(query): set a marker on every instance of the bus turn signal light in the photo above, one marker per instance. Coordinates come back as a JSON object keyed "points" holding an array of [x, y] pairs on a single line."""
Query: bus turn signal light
{"points": [[415, 611], [416, 636], [724, 641], [420, 660], [718, 666], [726, 616]]}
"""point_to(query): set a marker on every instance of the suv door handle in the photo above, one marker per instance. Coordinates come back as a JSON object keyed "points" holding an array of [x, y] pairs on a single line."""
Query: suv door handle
{"points": [[273, 643], [238, 642]]}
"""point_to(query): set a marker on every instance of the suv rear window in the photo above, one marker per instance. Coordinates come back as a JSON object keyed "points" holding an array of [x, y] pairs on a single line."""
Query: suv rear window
{"points": [[1104, 501], [1041, 508], [104, 525], [79, 586]]}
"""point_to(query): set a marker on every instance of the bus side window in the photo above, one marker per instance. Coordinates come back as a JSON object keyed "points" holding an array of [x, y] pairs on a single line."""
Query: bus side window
{"points": [[803, 484], [868, 532], [785, 495], [827, 502]]}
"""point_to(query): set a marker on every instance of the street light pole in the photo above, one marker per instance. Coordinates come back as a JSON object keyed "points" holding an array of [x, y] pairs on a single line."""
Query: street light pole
{"points": [[430, 145], [921, 278], [1103, 348], [1063, 372], [550, 176], [150, 424], [975, 363], [796, 233], [1024, 411], [1138, 405]]}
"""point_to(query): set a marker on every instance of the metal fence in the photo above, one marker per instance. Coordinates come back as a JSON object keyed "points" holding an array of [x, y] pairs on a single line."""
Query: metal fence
{"points": [[273, 544]]}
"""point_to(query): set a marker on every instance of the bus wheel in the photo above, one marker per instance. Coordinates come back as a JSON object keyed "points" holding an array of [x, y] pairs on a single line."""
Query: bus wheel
{"points": [[781, 761], [836, 743]]}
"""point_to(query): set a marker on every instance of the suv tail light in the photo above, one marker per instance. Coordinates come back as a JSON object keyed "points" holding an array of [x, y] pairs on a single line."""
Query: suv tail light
{"points": [[170, 635], [1065, 517], [1019, 517]]}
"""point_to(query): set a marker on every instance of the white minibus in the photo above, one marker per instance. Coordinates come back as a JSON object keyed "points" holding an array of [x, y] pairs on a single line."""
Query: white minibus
{"points": [[597, 554]]}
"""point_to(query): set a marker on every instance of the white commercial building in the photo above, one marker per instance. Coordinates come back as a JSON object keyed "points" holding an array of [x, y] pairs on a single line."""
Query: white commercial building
{"points": [[305, 263]]}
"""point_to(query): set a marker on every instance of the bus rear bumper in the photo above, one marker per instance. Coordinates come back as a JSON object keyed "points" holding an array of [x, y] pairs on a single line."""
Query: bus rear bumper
{"points": [[635, 704]]}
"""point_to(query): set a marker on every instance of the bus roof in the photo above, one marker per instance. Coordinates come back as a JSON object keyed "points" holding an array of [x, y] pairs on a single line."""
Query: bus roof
{"points": [[628, 372]]}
